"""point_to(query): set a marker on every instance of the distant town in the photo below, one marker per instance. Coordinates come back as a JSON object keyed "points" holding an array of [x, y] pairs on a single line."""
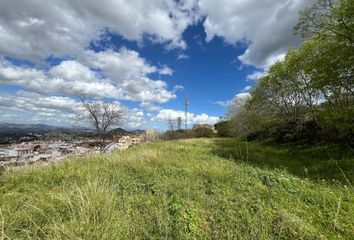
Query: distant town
{"points": [[43, 145], [28, 144]]}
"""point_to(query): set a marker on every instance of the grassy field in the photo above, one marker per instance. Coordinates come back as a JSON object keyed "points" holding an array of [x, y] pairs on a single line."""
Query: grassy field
{"points": [[190, 189]]}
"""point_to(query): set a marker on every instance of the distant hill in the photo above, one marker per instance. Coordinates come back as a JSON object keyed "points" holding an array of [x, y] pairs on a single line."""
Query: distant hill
{"points": [[12, 128], [138, 131], [122, 132], [119, 131], [33, 128]]}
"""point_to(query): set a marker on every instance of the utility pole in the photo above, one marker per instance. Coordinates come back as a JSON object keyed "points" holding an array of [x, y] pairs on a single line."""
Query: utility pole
{"points": [[186, 103]]}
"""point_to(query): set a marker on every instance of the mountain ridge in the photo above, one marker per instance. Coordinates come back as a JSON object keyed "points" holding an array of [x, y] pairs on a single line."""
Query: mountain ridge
{"points": [[40, 128]]}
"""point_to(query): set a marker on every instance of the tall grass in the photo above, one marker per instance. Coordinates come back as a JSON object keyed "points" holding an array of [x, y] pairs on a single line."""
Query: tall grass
{"points": [[329, 162], [171, 190]]}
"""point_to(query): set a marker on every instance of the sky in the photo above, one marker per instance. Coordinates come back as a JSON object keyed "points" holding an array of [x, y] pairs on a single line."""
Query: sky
{"points": [[145, 55]]}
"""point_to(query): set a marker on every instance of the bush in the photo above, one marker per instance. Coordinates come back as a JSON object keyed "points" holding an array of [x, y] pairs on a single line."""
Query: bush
{"points": [[223, 128], [179, 134], [203, 133], [189, 133]]}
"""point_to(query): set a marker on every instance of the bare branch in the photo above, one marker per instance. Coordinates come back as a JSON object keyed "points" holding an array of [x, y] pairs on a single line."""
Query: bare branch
{"points": [[101, 116]]}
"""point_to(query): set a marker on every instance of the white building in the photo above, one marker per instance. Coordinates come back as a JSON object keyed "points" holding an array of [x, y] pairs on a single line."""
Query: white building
{"points": [[135, 140], [124, 142]]}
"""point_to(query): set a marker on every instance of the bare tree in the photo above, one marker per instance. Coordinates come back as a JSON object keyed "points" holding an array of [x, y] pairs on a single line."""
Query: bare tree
{"points": [[172, 124], [101, 116]]}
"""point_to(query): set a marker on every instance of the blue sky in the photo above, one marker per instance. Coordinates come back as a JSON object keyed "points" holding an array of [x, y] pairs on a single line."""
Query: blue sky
{"points": [[146, 55], [211, 72]]}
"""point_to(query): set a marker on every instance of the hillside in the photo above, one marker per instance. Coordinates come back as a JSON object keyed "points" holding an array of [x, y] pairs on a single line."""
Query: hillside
{"points": [[34, 128], [190, 189]]}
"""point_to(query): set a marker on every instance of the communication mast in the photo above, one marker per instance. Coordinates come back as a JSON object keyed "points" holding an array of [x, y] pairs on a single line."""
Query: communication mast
{"points": [[186, 103]]}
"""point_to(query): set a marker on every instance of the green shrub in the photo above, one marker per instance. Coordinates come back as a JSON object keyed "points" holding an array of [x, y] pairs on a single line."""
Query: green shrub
{"points": [[189, 133], [223, 129], [203, 133]]}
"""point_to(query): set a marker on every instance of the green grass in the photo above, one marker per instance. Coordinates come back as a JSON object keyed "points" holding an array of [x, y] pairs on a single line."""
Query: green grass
{"points": [[191, 189], [329, 163]]}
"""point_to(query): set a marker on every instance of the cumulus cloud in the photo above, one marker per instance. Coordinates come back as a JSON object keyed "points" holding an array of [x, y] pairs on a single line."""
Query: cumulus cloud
{"points": [[48, 82], [73, 71], [121, 75], [166, 114], [242, 96], [30, 107], [32, 29], [129, 71], [150, 106], [265, 26], [133, 119], [36, 30]]}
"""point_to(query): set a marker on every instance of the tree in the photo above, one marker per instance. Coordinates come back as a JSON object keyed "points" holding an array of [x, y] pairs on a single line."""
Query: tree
{"points": [[308, 96], [179, 123], [330, 51], [238, 117], [328, 19], [101, 116], [172, 124], [223, 128]]}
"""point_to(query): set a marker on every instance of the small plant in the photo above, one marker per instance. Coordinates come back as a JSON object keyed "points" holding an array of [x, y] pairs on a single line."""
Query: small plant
{"points": [[269, 179]]}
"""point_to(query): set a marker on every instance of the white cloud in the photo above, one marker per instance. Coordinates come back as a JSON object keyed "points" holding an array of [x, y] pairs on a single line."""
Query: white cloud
{"points": [[43, 82], [256, 75], [32, 29], [166, 114], [244, 95], [266, 26], [35, 30], [130, 72], [29, 107], [166, 71], [35, 108], [119, 66], [246, 89], [221, 103], [134, 118], [150, 107], [239, 101], [178, 88], [182, 56], [121, 75], [73, 71]]}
